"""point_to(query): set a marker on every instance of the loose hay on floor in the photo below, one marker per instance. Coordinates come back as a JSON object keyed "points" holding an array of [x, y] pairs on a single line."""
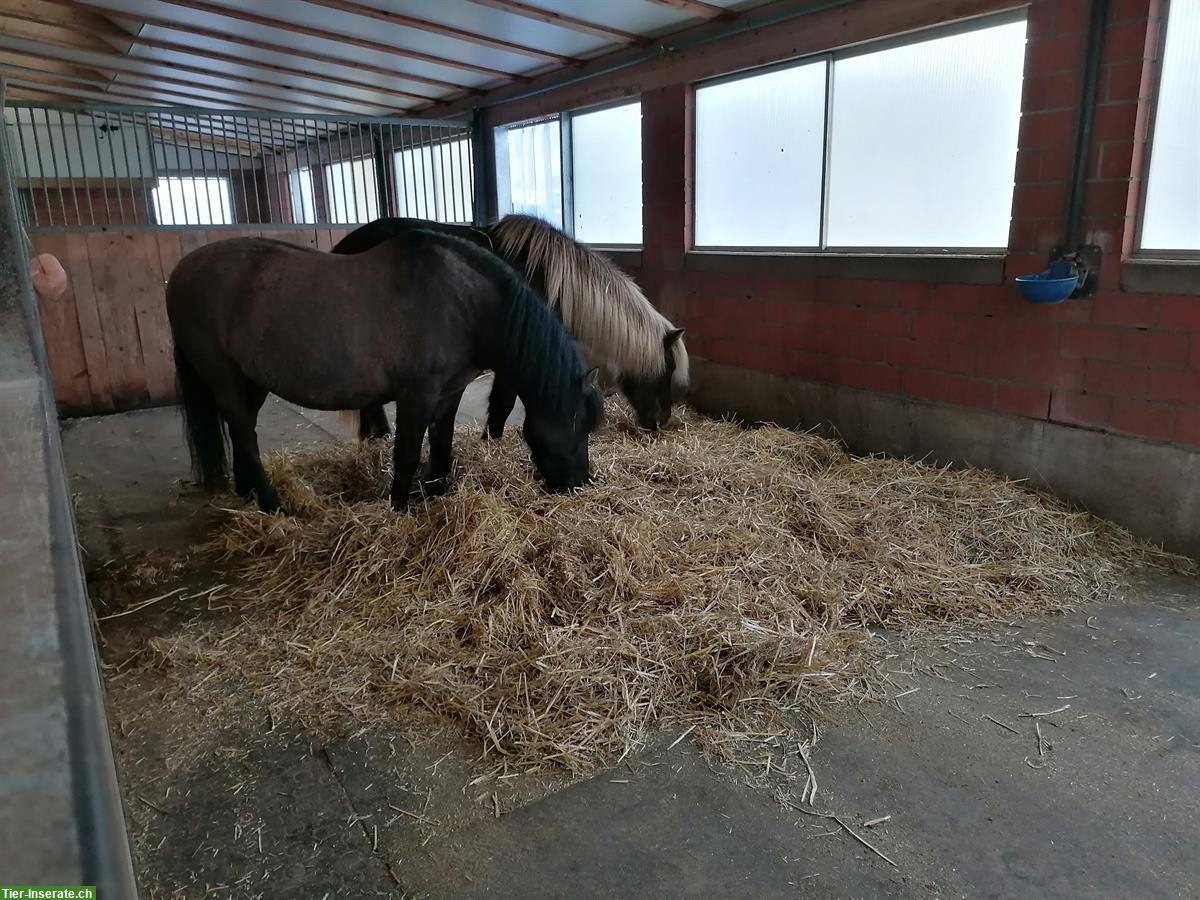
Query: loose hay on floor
{"points": [[712, 576]]}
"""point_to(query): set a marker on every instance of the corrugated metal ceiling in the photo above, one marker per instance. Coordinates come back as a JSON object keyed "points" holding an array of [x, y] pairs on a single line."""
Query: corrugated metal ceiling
{"points": [[330, 56]]}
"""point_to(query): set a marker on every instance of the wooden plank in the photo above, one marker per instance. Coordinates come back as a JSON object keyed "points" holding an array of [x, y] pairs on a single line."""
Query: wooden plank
{"points": [[170, 252], [191, 240], [79, 272], [324, 239], [60, 331], [147, 293], [118, 319], [301, 237]]}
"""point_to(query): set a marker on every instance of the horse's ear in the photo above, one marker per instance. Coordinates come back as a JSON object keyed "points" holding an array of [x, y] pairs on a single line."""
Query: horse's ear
{"points": [[591, 380], [671, 338]]}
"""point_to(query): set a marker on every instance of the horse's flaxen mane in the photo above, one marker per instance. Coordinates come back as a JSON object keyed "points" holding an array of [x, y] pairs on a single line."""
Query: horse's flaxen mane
{"points": [[600, 305]]}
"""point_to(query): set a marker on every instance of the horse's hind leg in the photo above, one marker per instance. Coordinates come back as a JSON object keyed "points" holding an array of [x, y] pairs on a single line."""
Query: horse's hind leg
{"points": [[373, 423], [500, 406], [245, 472], [248, 473], [411, 421], [441, 441]]}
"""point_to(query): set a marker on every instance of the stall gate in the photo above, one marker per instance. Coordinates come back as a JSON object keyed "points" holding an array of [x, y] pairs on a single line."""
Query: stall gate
{"points": [[120, 194]]}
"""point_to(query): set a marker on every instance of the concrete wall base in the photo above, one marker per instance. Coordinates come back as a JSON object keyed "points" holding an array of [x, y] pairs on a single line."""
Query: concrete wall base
{"points": [[1152, 489]]}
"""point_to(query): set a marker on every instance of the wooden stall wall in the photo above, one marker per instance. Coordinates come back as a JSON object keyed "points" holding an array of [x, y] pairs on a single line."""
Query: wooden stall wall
{"points": [[107, 337]]}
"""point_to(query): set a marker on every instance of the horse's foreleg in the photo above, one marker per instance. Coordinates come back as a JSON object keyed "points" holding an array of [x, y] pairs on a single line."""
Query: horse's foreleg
{"points": [[411, 422], [441, 440], [500, 406]]}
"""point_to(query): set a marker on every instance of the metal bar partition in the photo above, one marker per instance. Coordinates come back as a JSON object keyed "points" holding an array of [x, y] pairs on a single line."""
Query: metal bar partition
{"points": [[150, 168]]}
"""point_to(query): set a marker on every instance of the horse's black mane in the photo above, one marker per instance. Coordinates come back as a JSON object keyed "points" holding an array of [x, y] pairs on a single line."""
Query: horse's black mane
{"points": [[539, 354]]}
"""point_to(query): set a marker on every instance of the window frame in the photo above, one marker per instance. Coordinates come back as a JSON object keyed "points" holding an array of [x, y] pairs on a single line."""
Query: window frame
{"points": [[830, 57], [565, 121], [1142, 254]]}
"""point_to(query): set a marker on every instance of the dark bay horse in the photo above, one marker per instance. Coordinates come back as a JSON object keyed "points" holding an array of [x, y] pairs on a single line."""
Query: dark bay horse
{"points": [[617, 328], [413, 320]]}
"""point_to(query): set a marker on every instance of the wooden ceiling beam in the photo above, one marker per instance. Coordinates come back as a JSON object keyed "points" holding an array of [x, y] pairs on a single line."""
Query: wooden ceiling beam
{"points": [[59, 66], [246, 15], [230, 37], [115, 64], [173, 47], [15, 26], [106, 95], [384, 15], [697, 8], [88, 26], [549, 16]]}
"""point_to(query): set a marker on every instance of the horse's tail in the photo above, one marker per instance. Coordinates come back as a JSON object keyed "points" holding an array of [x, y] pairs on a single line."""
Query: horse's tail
{"points": [[202, 425], [351, 422]]}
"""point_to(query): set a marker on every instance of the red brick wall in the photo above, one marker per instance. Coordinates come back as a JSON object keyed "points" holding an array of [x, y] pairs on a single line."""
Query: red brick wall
{"points": [[1121, 362]]}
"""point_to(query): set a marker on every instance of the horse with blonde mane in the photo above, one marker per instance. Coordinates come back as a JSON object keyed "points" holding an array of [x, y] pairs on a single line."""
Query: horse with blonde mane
{"points": [[617, 329]]}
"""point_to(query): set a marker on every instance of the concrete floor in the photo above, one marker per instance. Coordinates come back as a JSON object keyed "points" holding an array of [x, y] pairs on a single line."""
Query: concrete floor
{"points": [[1110, 811]]}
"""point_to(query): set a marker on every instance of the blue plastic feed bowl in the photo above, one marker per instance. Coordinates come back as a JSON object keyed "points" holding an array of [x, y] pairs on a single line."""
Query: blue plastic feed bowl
{"points": [[1046, 287]]}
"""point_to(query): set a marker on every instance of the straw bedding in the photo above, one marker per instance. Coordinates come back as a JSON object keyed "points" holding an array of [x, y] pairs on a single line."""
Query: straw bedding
{"points": [[713, 576]]}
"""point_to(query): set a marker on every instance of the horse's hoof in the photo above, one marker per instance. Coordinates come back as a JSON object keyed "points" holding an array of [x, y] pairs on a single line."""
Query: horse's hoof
{"points": [[434, 488]]}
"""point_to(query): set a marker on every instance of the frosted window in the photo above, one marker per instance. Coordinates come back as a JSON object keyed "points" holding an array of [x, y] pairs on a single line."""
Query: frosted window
{"points": [[759, 147], [606, 151], [352, 192], [534, 184], [192, 201], [1172, 220], [436, 182], [304, 210], [924, 142]]}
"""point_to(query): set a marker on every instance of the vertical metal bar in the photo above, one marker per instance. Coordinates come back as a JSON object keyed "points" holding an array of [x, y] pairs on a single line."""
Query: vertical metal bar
{"points": [[155, 170], [93, 124], [227, 185], [412, 156], [566, 153], [41, 160], [137, 146], [314, 173], [42, 169], [386, 208], [62, 130], [397, 209], [241, 164], [128, 168], [439, 178], [342, 172], [269, 170], [358, 170], [288, 154], [204, 170], [174, 179], [400, 164], [481, 179], [112, 158], [426, 170], [32, 200], [83, 170], [826, 156], [10, 155], [435, 168], [259, 189], [463, 146]]}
